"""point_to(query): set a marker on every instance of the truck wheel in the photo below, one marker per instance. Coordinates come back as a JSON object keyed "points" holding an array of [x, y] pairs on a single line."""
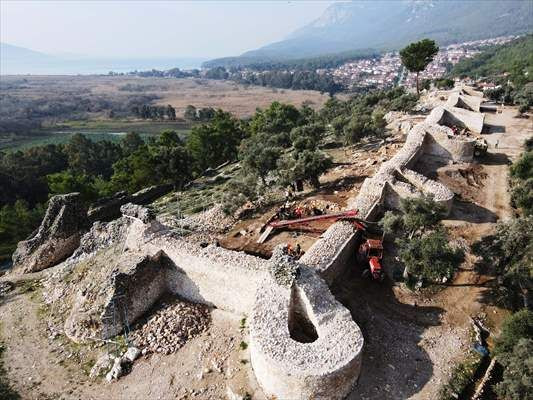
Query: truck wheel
{"points": [[365, 274]]}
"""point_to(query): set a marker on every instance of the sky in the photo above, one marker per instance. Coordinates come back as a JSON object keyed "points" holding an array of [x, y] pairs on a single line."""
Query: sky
{"points": [[151, 28]]}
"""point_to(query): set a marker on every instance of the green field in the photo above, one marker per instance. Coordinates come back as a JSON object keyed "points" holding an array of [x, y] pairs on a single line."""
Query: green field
{"points": [[95, 130]]}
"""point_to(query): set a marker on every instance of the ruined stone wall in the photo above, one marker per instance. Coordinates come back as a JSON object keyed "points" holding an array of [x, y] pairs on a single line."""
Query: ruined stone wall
{"points": [[135, 292], [441, 143], [457, 116], [326, 368], [108, 208]]}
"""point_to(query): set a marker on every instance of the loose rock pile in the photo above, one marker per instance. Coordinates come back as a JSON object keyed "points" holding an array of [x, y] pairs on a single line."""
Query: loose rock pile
{"points": [[212, 220], [170, 325], [283, 268]]}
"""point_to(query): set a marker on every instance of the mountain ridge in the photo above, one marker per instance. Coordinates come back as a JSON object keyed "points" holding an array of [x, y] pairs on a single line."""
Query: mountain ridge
{"points": [[364, 24]]}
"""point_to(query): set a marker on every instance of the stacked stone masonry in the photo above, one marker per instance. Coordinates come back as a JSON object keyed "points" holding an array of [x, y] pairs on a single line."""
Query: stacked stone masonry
{"points": [[303, 342]]}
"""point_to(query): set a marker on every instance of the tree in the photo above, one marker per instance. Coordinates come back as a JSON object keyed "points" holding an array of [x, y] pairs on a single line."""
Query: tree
{"points": [[416, 57], [422, 240], [429, 256], [307, 166], [514, 350], [69, 181], [240, 189], [278, 120], [307, 137], [216, 142], [507, 254], [172, 164], [171, 113], [17, 221], [131, 142], [259, 155], [206, 114], [517, 382], [169, 138], [190, 113], [515, 327]]}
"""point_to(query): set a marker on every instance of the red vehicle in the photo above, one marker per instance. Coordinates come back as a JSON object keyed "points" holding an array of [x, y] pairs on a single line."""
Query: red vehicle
{"points": [[371, 252]]}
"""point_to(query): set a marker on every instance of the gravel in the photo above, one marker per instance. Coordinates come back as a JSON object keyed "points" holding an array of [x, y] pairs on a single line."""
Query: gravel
{"points": [[170, 325], [213, 220], [283, 268]]}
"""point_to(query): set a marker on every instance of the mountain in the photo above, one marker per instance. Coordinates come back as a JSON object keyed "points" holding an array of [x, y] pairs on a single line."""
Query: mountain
{"points": [[16, 60], [392, 24], [11, 57]]}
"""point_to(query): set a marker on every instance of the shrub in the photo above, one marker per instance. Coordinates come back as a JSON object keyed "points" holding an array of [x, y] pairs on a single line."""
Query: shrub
{"points": [[517, 326], [514, 349], [429, 257], [507, 253]]}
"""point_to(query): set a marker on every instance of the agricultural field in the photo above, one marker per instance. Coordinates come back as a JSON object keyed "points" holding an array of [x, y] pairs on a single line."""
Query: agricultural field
{"points": [[48, 109]]}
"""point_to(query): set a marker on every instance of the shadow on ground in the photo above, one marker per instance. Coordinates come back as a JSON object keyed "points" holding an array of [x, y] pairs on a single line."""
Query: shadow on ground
{"points": [[471, 212], [394, 365], [496, 159]]}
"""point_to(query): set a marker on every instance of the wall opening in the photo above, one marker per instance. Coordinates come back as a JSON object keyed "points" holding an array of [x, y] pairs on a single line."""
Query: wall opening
{"points": [[301, 328]]}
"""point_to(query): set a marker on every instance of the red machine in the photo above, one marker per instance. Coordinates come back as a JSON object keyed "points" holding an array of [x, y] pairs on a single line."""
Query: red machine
{"points": [[287, 224], [371, 252]]}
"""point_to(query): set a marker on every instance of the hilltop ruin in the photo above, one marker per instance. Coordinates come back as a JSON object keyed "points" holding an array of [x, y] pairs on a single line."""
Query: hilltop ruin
{"points": [[303, 342]]}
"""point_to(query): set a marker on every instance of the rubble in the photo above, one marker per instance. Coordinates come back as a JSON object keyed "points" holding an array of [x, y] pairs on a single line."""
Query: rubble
{"points": [[212, 220], [131, 354], [169, 326], [6, 287], [102, 365], [283, 268]]}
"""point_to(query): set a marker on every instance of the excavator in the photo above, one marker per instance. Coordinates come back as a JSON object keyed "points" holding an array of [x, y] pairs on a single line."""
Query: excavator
{"points": [[370, 251]]}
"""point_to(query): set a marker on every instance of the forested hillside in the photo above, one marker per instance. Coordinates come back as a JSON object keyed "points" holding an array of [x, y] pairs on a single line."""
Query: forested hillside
{"points": [[271, 141], [515, 58]]}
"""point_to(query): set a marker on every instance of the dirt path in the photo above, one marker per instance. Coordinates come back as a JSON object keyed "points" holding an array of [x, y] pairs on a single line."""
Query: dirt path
{"points": [[412, 341], [43, 367]]}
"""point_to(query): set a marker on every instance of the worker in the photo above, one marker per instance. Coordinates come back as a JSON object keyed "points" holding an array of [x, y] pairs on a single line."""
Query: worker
{"points": [[298, 250], [496, 144], [288, 194], [289, 249]]}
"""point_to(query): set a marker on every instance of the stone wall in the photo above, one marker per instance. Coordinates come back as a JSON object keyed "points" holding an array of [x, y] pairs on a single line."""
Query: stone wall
{"points": [[457, 116], [326, 368], [135, 292]]}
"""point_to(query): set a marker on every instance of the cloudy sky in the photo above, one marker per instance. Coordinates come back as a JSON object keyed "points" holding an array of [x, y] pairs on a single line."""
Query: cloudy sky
{"points": [[151, 28]]}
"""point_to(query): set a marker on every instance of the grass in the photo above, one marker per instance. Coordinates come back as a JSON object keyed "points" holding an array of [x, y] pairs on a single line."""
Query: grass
{"points": [[62, 137], [196, 198], [243, 345]]}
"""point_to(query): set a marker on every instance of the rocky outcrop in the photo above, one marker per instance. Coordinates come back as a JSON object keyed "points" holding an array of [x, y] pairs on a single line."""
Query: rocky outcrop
{"points": [[108, 208], [57, 237]]}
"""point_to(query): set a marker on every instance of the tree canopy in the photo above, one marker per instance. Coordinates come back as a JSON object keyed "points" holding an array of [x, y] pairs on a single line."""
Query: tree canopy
{"points": [[417, 56]]}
